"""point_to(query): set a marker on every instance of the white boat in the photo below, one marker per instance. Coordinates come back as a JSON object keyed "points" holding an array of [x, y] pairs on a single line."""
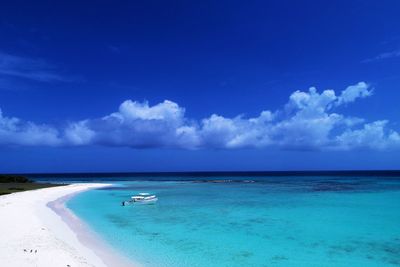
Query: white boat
{"points": [[141, 198]]}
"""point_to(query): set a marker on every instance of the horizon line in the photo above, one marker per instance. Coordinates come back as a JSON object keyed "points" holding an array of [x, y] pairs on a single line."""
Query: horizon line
{"points": [[387, 172]]}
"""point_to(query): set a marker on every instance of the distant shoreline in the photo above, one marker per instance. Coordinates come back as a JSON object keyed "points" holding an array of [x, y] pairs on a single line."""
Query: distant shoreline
{"points": [[18, 183]]}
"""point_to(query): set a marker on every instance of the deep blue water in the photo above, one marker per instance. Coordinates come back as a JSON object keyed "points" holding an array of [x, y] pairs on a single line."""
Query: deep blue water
{"points": [[248, 220]]}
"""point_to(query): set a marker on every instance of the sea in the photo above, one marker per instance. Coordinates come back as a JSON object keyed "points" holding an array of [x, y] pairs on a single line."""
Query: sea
{"points": [[281, 219]]}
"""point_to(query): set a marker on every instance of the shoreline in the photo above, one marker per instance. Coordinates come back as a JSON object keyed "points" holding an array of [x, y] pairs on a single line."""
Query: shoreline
{"points": [[37, 229]]}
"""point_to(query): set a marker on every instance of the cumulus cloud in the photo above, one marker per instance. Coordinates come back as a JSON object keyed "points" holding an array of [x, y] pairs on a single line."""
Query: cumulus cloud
{"points": [[137, 125], [219, 132], [308, 121], [373, 135], [13, 131], [359, 90]]}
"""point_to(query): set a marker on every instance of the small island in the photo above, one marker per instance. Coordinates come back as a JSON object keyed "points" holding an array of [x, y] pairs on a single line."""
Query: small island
{"points": [[10, 183]]}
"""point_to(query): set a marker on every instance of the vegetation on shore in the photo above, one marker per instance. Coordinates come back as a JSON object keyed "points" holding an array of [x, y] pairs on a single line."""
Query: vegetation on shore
{"points": [[18, 183]]}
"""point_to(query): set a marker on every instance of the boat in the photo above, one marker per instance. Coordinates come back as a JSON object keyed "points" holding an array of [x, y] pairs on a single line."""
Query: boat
{"points": [[141, 198]]}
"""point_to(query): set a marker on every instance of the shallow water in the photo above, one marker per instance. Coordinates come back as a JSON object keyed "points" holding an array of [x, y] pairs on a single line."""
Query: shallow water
{"points": [[296, 221]]}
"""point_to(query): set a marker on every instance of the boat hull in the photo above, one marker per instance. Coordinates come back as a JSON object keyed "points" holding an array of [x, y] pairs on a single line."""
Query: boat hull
{"points": [[146, 201], [140, 202]]}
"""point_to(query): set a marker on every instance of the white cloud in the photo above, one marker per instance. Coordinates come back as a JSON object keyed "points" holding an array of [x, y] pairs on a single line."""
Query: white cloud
{"points": [[359, 90], [373, 135], [312, 101], [166, 110], [217, 131], [13, 131], [137, 125], [78, 133], [307, 121]]}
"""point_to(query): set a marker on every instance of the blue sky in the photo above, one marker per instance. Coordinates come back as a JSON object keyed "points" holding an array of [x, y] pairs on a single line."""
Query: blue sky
{"points": [[207, 85]]}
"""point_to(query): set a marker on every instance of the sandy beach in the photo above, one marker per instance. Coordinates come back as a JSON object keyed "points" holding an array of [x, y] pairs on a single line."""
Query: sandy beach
{"points": [[37, 230]]}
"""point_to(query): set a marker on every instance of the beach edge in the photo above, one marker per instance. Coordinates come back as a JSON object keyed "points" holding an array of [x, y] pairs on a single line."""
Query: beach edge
{"points": [[38, 229]]}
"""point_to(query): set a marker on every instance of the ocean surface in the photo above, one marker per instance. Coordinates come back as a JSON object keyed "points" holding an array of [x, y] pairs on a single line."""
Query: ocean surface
{"points": [[248, 220]]}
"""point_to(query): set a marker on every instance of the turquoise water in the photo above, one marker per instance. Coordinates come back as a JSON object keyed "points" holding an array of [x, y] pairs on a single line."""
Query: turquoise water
{"points": [[289, 222]]}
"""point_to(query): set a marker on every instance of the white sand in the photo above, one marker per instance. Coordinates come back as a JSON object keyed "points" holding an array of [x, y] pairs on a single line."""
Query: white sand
{"points": [[55, 236]]}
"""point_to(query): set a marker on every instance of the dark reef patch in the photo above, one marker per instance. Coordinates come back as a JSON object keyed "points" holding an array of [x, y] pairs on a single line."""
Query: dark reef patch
{"points": [[387, 252], [119, 221], [279, 258], [332, 186], [224, 181]]}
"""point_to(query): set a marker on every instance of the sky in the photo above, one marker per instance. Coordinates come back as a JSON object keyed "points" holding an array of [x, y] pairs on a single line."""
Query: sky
{"points": [[123, 86]]}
